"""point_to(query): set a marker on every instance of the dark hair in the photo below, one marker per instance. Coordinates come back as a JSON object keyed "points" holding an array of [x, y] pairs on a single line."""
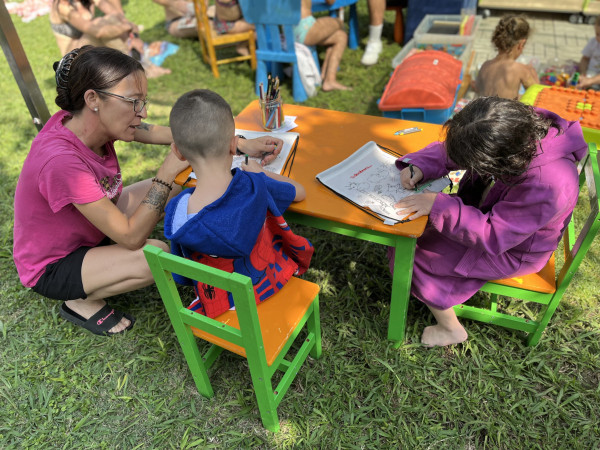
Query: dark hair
{"points": [[202, 124], [87, 68], [509, 31], [495, 136], [87, 4]]}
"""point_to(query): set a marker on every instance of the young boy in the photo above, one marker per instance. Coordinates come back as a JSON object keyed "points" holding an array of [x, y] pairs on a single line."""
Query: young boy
{"points": [[232, 219], [589, 66]]}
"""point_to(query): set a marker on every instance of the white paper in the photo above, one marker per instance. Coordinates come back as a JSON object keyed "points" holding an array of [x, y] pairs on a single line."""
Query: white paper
{"points": [[370, 178], [276, 166], [289, 123]]}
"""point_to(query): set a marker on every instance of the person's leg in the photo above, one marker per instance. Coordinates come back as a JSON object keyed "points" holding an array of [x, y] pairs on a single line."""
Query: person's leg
{"points": [[448, 330], [117, 5], [374, 45], [183, 28], [116, 43], [329, 31], [376, 12], [111, 270], [241, 26]]}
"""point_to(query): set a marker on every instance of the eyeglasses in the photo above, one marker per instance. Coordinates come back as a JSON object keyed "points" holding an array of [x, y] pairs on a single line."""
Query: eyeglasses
{"points": [[138, 104]]}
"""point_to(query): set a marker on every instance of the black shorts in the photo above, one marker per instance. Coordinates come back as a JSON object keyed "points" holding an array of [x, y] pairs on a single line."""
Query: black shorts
{"points": [[62, 279]]}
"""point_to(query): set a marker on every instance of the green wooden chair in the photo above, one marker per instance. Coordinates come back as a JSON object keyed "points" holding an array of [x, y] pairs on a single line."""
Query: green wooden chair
{"points": [[263, 333], [547, 286]]}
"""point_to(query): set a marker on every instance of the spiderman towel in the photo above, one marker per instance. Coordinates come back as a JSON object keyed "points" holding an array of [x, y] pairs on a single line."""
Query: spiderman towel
{"points": [[244, 232]]}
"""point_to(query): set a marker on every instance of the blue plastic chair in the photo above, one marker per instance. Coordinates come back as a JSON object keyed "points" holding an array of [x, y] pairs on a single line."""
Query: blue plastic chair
{"points": [[322, 5], [274, 21]]}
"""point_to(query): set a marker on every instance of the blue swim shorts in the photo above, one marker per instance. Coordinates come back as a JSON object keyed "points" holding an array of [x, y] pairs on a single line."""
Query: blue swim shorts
{"points": [[302, 28]]}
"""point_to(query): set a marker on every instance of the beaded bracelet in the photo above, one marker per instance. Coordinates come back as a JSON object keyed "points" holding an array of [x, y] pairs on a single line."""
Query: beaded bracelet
{"points": [[164, 183]]}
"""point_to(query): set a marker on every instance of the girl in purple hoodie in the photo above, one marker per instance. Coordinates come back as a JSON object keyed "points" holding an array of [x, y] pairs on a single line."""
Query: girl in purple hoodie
{"points": [[511, 208]]}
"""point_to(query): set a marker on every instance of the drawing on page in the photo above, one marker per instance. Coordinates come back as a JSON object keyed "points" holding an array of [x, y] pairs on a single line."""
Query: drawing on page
{"points": [[369, 177]]}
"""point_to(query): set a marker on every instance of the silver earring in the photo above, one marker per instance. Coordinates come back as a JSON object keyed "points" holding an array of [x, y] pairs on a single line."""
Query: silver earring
{"points": [[96, 109]]}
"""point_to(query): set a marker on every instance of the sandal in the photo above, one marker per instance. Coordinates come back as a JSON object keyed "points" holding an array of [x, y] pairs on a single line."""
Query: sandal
{"points": [[100, 322]]}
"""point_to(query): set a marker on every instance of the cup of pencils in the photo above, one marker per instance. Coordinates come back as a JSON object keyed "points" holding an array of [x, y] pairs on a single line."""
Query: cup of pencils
{"points": [[271, 106]]}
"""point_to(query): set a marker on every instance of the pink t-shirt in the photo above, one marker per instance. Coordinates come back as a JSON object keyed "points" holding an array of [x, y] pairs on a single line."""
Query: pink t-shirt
{"points": [[59, 171]]}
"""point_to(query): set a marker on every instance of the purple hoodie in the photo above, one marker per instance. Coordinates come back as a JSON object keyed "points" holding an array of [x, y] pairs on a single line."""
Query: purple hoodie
{"points": [[514, 232]]}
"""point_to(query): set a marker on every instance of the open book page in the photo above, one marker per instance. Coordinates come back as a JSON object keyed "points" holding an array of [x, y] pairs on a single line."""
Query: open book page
{"points": [[289, 144], [370, 178]]}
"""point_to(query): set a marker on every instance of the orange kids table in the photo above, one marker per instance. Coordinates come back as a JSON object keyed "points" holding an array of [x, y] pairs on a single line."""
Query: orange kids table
{"points": [[326, 138]]}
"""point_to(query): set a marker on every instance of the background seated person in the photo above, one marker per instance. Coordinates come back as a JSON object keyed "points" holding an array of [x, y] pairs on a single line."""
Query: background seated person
{"points": [[328, 31], [589, 66], [74, 25], [180, 18], [228, 19]]}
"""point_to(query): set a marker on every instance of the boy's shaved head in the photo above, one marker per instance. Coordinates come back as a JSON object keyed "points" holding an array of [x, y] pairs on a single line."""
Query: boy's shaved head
{"points": [[202, 124]]}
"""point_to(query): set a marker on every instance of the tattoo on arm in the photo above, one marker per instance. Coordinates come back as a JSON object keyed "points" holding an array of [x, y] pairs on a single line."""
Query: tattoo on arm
{"points": [[144, 126], [157, 197]]}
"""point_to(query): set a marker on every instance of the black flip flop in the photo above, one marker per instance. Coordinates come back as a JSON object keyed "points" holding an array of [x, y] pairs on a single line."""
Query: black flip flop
{"points": [[100, 322]]}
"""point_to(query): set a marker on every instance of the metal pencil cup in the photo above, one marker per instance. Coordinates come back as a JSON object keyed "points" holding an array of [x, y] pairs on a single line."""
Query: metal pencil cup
{"points": [[271, 112]]}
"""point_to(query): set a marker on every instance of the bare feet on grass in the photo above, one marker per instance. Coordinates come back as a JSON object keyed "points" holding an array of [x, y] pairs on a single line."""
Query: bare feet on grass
{"points": [[334, 86], [436, 335]]}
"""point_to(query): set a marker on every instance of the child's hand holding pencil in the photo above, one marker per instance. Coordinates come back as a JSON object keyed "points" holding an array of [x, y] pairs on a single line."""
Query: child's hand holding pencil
{"points": [[250, 165], [410, 176]]}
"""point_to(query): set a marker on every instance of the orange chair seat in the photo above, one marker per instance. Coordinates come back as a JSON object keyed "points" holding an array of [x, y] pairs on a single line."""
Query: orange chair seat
{"points": [[543, 281], [276, 323]]}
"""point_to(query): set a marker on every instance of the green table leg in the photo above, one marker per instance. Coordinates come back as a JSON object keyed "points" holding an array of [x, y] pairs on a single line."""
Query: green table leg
{"points": [[403, 264], [401, 281]]}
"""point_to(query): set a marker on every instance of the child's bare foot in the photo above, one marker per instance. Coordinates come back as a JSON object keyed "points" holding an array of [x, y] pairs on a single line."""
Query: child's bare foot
{"points": [[154, 71], [435, 335], [334, 86]]}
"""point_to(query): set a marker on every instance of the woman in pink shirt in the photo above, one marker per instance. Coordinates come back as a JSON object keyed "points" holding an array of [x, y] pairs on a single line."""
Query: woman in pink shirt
{"points": [[78, 232]]}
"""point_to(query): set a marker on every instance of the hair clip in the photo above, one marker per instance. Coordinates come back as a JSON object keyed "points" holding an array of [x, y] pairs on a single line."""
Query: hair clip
{"points": [[63, 67]]}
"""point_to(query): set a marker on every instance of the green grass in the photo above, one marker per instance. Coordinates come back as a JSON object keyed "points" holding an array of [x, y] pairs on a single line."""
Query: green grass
{"points": [[61, 387]]}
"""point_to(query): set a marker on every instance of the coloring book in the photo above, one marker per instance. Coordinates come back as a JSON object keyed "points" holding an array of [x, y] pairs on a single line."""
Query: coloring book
{"points": [[290, 143], [370, 179]]}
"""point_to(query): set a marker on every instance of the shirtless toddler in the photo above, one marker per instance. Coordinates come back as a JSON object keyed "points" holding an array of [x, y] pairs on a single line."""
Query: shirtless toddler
{"points": [[502, 76]]}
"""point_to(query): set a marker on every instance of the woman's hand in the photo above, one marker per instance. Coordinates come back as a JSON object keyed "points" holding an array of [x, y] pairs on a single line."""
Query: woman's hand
{"points": [[419, 204], [410, 179], [172, 166], [265, 147]]}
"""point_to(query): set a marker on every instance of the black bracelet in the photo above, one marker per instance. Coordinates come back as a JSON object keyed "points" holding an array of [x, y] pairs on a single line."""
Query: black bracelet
{"points": [[164, 183], [237, 150]]}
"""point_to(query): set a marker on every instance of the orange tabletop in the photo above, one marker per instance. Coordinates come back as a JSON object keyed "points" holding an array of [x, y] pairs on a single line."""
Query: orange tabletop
{"points": [[326, 138]]}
